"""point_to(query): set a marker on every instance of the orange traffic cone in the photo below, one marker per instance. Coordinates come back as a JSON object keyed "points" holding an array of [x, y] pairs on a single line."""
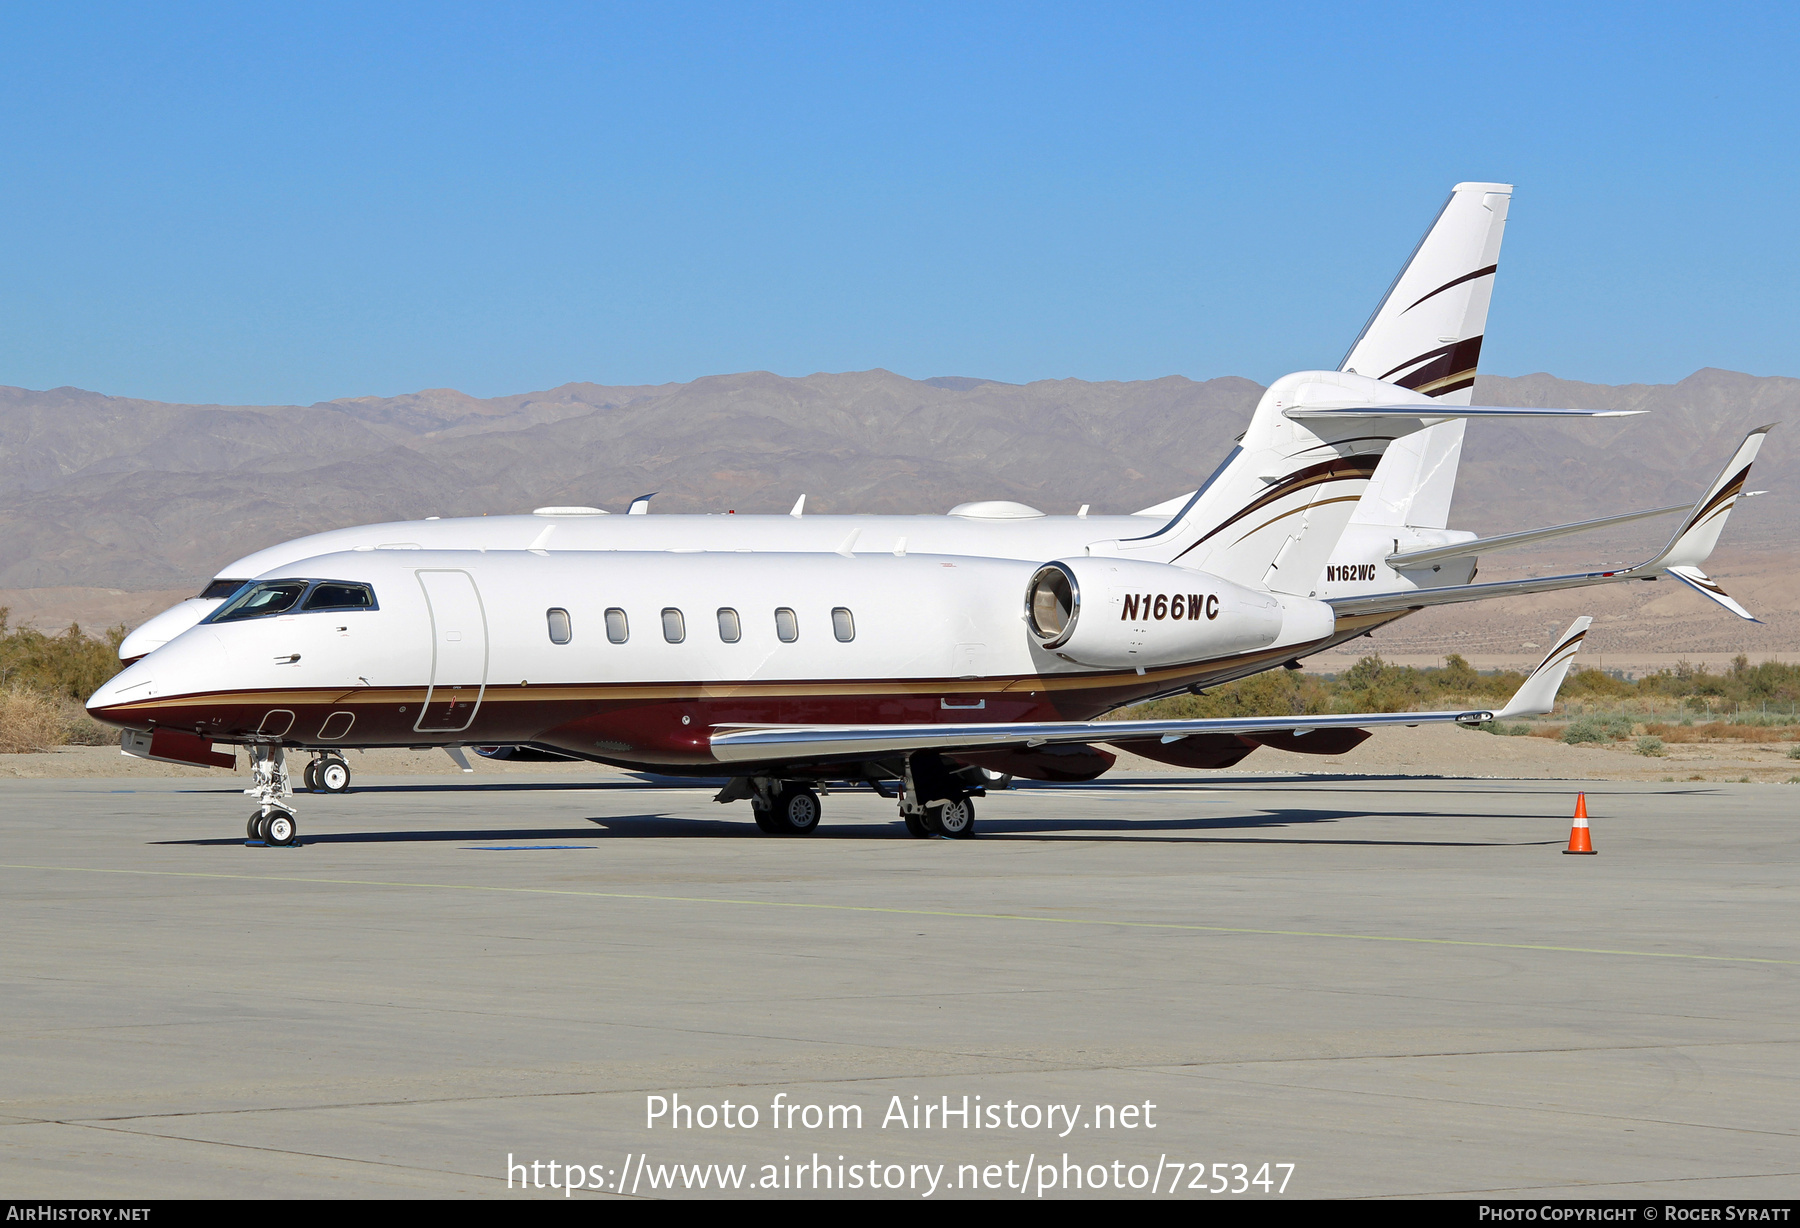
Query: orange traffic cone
{"points": [[1578, 834]]}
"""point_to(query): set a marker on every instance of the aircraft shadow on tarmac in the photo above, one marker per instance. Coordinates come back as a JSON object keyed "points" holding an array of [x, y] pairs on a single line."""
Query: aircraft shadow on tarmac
{"points": [[1080, 829]]}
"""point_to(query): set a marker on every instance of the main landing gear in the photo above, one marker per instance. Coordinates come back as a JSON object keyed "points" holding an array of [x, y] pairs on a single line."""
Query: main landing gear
{"points": [[781, 807], [934, 802], [327, 772], [273, 820]]}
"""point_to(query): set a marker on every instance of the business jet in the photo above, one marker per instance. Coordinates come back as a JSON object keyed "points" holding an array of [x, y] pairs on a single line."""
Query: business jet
{"points": [[1422, 343], [927, 652]]}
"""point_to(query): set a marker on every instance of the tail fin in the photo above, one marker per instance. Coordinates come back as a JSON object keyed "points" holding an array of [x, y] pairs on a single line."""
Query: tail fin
{"points": [[1274, 511], [1426, 335]]}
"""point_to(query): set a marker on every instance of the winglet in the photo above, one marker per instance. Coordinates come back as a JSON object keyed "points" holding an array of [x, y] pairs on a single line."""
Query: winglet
{"points": [[1537, 694], [1706, 586], [1699, 533], [640, 506], [799, 507]]}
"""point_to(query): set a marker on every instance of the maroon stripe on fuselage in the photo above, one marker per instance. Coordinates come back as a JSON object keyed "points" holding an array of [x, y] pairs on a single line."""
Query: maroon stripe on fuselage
{"points": [[643, 723]]}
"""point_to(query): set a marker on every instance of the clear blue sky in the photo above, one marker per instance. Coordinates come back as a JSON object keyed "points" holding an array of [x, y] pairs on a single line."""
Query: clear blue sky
{"points": [[251, 203]]}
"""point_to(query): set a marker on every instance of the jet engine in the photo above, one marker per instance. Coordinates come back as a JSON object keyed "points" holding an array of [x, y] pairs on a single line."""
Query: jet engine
{"points": [[1113, 613]]}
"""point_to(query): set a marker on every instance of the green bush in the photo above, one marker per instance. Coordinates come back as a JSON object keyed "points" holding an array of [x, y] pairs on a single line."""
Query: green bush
{"points": [[1597, 729], [72, 665], [1650, 746]]}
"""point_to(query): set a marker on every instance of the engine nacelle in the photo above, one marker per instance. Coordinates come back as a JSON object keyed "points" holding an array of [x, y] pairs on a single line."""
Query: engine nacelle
{"points": [[1114, 613]]}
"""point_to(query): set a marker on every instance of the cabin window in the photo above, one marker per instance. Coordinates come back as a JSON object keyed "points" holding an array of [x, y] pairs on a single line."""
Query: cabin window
{"points": [[730, 630], [674, 630], [333, 595], [843, 625], [787, 627], [617, 630], [559, 626]]}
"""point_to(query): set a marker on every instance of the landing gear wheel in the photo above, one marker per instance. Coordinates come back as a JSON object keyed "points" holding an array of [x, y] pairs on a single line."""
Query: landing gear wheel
{"points": [[253, 829], [278, 829], [310, 775], [765, 818], [332, 775], [954, 819], [796, 811], [915, 826]]}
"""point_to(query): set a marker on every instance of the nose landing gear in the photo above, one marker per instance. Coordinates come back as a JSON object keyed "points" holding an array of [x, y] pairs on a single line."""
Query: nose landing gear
{"points": [[276, 828], [272, 822]]}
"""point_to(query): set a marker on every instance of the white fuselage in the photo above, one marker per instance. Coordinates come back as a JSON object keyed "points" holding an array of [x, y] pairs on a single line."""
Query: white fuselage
{"points": [[638, 656], [987, 530]]}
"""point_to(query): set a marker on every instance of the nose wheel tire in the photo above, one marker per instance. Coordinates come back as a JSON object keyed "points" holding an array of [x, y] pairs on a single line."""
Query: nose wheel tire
{"points": [[954, 819], [795, 812], [276, 829]]}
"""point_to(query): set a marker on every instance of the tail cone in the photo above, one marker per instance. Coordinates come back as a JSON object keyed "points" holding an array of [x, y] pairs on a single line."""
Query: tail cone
{"points": [[1579, 841]]}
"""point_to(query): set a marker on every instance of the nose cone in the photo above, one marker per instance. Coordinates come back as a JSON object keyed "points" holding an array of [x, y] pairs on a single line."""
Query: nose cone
{"points": [[117, 700], [160, 689], [166, 626]]}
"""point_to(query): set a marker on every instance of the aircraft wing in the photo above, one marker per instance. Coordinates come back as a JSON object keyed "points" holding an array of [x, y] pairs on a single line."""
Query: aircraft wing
{"points": [[1429, 410], [1690, 546], [774, 743]]}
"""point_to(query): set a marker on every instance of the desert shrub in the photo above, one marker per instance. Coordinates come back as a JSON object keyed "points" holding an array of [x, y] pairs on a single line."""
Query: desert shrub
{"points": [[30, 721], [1650, 746], [1719, 731], [1280, 692], [1516, 730], [1794, 752], [80, 729], [72, 664], [1597, 729]]}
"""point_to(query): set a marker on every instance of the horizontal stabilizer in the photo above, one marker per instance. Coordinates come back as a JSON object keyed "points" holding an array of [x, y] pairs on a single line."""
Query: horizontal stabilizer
{"points": [[1510, 541], [1537, 694], [1451, 411]]}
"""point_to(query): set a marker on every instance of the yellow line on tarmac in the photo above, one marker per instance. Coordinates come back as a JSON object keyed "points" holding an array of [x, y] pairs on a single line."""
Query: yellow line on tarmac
{"points": [[916, 912]]}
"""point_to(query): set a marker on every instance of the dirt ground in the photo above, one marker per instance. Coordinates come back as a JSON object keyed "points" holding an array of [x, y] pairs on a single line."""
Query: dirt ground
{"points": [[1436, 750]]}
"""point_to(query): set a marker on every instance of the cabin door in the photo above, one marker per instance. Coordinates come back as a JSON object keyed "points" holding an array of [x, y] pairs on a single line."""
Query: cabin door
{"points": [[459, 651]]}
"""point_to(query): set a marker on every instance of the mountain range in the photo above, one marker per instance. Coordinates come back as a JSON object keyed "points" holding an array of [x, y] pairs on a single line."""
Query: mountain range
{"points": [[111, 506]]}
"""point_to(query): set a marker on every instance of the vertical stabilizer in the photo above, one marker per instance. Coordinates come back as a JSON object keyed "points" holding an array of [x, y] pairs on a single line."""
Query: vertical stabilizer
{"points": [[1273, 514], [1426, 334]]}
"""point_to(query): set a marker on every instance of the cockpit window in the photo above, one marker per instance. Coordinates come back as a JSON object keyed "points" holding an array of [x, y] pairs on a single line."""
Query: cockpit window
{"points": [[335, 595], [265, 598], [221, 588], [262, 600]]}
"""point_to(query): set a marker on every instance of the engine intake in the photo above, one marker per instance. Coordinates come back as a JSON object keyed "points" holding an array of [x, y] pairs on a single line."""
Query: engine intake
{"points": [[1125, 613]]}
